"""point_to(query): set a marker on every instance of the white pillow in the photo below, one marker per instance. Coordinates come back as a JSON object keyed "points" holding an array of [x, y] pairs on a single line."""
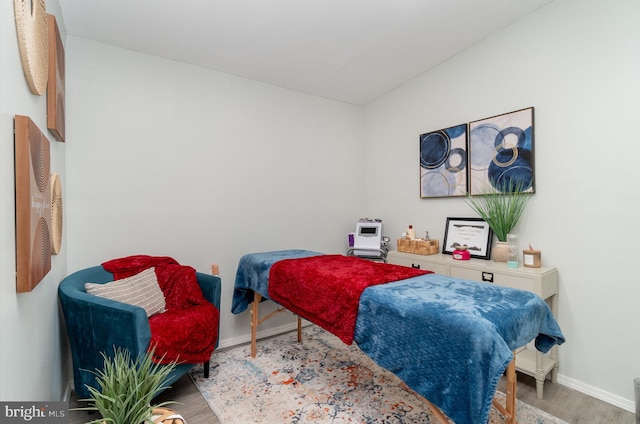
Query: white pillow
{"points": [[140, 290]]}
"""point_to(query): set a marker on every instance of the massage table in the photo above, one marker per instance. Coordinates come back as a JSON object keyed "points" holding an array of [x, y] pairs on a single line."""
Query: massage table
{"points": [[448, 339]]}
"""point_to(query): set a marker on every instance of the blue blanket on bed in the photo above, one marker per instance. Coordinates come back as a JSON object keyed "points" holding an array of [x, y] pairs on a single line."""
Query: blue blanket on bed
{"points": [[253, 275], [450, 340]]}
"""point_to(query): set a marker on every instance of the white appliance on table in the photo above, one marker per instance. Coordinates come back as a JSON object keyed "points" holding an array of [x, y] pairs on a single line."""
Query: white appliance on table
{"points": [[368, 241]]}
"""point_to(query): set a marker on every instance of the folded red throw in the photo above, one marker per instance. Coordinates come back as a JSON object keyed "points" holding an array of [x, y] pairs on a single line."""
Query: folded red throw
{"points": [[326, 289], [187, 330]]}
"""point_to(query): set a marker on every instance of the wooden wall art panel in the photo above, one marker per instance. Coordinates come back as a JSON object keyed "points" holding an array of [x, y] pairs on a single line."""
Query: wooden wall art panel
{"points": [[56, 214], [33, 204], [55, 87]]}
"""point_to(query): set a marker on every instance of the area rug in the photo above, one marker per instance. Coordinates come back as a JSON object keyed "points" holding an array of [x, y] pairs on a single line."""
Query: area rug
{"points": [[321, 380]]}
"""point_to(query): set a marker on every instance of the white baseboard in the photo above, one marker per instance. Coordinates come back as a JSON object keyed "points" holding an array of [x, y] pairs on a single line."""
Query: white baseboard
{"points": [[67, 391], [236, 341], [614, 400]]}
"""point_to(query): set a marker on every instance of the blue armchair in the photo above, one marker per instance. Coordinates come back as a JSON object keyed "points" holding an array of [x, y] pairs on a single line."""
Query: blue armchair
{"points": [[95, 324]]}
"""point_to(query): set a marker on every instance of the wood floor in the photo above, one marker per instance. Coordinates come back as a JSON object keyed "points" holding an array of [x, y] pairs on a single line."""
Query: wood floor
{"points": [[570, 405], [561, 401]]}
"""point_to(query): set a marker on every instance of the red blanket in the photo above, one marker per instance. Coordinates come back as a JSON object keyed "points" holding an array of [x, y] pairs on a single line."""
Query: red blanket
{"points": [[187, 330], [326, 289]]}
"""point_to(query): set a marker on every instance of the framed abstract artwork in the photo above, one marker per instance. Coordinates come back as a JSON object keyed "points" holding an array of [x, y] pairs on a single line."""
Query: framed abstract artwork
{"points": [[33, 204], [501, 153], [443, 162], [474, 233]]}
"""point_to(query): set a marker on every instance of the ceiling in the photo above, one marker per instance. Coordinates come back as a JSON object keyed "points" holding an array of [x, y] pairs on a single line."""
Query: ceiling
{"points": [[348, 50]]}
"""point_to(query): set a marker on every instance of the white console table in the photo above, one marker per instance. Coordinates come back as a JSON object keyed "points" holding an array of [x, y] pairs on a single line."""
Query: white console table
{"points": [[541, 281]]}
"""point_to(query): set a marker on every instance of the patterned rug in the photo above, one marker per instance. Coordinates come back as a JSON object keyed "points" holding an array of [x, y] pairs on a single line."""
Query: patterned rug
{"points": [[321, 380]]}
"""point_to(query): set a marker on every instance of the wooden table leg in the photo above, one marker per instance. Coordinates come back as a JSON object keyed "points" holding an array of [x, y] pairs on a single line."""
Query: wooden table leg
{"points": [[299, 329], [257, 297], [509, 408], [511, 391], [442, 419], [437, 413]]}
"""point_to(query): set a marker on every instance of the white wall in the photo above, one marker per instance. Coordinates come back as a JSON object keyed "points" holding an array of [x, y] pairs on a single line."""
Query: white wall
{"points": [[578, 63], [33, 365], [166, 158]]}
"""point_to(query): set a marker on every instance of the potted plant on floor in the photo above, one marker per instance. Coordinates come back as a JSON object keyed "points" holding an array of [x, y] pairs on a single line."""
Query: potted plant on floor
{"points": [[127, 387], [501, 208]]}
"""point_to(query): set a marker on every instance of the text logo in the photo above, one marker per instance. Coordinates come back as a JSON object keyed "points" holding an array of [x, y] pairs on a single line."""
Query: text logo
{"points": [[34, 412]]}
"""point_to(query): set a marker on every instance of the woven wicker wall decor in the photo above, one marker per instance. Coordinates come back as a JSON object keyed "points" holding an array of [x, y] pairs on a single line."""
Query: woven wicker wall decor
{"points": [[56, 214], [33, 42]]}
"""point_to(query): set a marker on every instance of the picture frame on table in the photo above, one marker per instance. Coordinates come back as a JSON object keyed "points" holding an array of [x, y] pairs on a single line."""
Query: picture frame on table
{"points": [[475, 233]]}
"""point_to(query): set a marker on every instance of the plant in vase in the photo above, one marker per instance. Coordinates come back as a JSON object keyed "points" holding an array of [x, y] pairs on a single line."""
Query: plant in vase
{"points": [[127, 387], [501, 208]]}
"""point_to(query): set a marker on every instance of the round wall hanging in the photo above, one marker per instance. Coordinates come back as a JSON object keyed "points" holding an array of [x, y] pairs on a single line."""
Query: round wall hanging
{"points": [[32, 29], [56, 214]]}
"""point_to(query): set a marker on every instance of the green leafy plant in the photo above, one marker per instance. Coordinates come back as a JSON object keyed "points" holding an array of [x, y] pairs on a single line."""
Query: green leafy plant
{"points": [[502, 207], [127, 387]]}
